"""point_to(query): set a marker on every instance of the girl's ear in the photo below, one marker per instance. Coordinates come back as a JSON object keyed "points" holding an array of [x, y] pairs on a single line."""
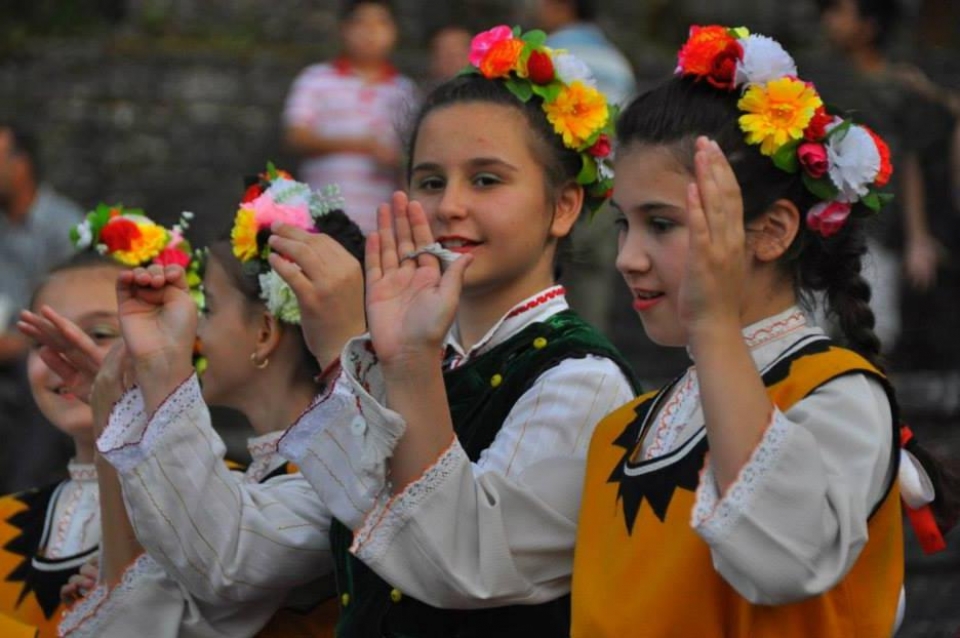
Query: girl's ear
{"points": [[567, 209], [771, 234], [269, 334]]}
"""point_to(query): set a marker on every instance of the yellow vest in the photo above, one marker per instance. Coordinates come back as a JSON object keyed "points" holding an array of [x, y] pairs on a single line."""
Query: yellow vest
{"points": [[657, 580]]}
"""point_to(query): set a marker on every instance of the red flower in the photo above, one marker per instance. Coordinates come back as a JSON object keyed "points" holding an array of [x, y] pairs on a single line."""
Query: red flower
{"points": [[710, 53], [817, 127], [540, 68], [813, 158], [886, 166], [600, 148], [827, 218], [119, 234], [253, 191], [172, 257], [501, 59]]}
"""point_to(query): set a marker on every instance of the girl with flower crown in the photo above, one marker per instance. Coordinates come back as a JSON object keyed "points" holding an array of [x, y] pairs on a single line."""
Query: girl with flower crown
{"points": [[450, 443], [757, 494], [48, 533], [224, 550]]}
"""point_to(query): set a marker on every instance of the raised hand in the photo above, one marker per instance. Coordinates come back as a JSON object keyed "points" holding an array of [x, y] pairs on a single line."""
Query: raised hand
{"points": [[712, 286], [69, 351], [158, 320], [328, 283], [411, 304]]}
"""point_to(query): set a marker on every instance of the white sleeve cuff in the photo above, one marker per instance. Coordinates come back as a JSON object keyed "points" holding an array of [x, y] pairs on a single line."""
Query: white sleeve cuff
{"points": [[130, 436], [88, 616], [715, 515], [390, 515]]}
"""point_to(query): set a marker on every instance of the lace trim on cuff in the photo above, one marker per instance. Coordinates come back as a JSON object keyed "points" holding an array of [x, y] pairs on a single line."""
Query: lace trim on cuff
{"points": [[389, 516], [715, 515], [84, 618], [294, 444], [126, 423], [128, 445]]}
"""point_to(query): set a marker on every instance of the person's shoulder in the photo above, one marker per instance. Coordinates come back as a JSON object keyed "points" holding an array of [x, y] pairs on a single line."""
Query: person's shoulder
{"points": [[56, 208], [320, 71]]}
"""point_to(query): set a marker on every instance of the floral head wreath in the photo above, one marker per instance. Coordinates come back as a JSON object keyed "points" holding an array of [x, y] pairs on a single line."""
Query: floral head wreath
{"points": [[579, 113], [842, 163], [276, 197], [129, 237]]}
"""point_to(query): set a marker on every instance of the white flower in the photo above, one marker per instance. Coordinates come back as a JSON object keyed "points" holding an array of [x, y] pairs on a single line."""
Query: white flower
{"points": [[280, 300], [326, 200], [854, 161], [763, 60], [570, 69], [84, 235], [288, 191], [604, 170]]}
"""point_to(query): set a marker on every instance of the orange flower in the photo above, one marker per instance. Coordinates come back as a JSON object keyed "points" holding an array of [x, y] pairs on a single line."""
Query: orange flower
{"points": [[501, 58], [886, 166], [577, 113], [711, 53]]}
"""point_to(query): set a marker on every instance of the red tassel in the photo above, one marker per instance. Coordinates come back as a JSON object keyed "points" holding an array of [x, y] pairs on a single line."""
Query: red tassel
{"points": [[926, 529]]}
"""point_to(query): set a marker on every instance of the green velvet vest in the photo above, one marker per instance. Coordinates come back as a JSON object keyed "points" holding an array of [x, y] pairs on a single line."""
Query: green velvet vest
{"points": [[481, 394]]}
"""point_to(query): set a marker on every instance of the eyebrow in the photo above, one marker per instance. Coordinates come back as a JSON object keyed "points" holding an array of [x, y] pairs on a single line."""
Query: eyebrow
{"points": [[648, 207], [475, 162], [97, 314]]}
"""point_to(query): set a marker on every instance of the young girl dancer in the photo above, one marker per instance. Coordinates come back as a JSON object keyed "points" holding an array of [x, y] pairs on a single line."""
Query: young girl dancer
{"points": [[48, 533], [757, 494], [464, 493], [224, 550]]}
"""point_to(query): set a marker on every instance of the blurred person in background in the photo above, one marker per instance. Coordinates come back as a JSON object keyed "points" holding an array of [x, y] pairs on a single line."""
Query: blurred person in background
{"points": [[342, 116], [449, 51], [904, 250], [588, 271], [33, 217]]}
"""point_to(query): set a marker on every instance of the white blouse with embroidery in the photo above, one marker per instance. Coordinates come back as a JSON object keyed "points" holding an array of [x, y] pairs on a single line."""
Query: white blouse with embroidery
{"points": [[466, 535], [223, 551], [75, 527]]}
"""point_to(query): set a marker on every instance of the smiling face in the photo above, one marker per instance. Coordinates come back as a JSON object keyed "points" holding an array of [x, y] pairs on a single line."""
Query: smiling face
{"points": [[87, 296], [228, 335], [650, 197], [485, 193]]}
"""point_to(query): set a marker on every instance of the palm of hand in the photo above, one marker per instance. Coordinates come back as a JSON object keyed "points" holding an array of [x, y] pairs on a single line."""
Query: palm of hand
{"points": [[406, 311]]}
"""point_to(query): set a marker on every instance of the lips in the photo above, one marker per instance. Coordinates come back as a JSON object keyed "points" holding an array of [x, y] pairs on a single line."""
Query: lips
{"points": [[646, 299], [457, 244]]}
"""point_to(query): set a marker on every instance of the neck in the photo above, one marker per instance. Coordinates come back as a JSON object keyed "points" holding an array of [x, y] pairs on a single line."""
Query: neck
{"points": [[83, 450], [868, 59], [20, 201], [480, 310], [776, 299], [273, 411]]}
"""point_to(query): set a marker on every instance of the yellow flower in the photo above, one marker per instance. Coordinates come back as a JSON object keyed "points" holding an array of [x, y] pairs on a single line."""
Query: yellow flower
{"points": [[243, 236], [777, 112], [148, 245], [578, 112]]}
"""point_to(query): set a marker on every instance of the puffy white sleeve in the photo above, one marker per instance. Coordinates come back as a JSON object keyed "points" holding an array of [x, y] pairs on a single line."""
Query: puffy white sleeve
{"points": [[147, 600], [483, 534], [222, 538], [795, 519]]}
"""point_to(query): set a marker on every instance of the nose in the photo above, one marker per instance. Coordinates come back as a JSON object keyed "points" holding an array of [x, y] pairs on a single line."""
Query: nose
{"points": [[453, 203], [632, 255]]}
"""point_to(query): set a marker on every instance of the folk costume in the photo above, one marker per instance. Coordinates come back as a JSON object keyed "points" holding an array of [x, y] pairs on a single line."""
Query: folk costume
{"points": [[46, 534], [159, 592], [487, 532]]}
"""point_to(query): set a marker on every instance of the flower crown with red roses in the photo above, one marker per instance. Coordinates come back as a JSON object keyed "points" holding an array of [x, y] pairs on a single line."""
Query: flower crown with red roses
{"points": [[841, 162], [579, 113], [274, 196], [129, 237]]}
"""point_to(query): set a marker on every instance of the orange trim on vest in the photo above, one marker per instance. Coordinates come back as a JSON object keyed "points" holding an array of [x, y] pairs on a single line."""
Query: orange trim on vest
{"points": [[659, 581]]}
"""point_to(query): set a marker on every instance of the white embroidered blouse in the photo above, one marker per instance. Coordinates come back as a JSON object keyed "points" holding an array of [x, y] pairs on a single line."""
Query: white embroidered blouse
{"points": [[515, 509]]}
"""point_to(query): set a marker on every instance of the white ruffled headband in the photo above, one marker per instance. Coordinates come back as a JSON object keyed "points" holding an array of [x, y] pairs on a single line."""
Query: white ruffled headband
{"points": [[276, 196], [841, 162]]}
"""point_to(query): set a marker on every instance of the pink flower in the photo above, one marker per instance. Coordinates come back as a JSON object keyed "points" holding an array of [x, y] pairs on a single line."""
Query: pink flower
{"points": [[827, 218], [172, 257], [813, 158], [483, 42], [266, 212]]}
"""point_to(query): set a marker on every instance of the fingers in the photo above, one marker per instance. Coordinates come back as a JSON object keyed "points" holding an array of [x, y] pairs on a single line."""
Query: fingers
{"points": [[420, 227], [389, 259], [401, 221], [291, 273], [697, 221], [60, 365], [81, 349], [372, 257], [451, 283]]}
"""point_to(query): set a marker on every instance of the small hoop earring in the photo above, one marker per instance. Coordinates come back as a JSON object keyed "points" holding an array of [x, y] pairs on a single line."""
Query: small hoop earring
{"points": [[259, 365]]}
